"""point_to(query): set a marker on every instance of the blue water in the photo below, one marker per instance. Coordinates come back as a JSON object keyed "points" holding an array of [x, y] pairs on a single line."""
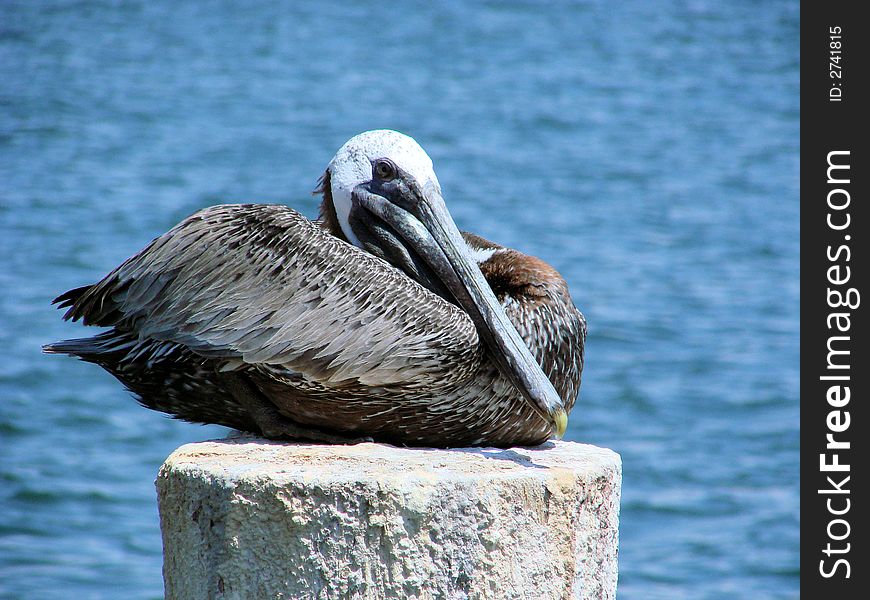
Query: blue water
{"points": [[648, 150]]}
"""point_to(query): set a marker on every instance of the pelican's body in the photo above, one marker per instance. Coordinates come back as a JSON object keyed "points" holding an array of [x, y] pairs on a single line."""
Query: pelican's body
{"points": [[254, 317]]}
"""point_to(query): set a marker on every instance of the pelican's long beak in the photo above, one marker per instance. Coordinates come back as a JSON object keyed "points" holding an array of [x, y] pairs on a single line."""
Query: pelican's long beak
{"points": [[420, 219]]}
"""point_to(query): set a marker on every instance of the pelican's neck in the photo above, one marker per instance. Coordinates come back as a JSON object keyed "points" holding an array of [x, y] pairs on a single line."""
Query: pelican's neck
{"points": [[511, 273], [328, 217]]}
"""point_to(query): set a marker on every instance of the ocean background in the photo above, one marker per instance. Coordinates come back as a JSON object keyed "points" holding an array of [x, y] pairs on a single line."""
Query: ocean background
{"points": [[648, 150]]}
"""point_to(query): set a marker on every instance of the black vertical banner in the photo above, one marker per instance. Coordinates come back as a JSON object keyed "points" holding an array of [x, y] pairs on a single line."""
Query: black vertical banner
{"points": [[834, 264]]}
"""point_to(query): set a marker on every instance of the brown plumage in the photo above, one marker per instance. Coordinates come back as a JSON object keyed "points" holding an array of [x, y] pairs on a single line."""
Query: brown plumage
{"points": [[242, 311]]}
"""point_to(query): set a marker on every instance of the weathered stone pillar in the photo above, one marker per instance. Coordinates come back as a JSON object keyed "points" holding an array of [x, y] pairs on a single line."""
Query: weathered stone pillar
{"points": [[247, 518]]}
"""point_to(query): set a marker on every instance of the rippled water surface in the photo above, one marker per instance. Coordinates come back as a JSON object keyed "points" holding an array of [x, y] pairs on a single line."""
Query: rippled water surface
{"points": [[648, 150]]}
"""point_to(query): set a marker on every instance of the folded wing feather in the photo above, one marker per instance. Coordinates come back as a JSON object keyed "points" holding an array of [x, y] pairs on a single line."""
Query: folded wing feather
{"points": [[262, 285]]}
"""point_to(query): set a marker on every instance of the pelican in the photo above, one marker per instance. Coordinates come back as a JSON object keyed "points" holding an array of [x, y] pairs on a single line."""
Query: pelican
{"points": [[379, 321]]}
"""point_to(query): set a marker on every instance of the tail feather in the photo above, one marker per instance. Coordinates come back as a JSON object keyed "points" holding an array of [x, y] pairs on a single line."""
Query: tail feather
{"points": [[163, 376], [105, 343]]}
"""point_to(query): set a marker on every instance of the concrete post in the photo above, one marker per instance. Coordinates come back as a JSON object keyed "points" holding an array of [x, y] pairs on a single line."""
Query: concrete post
{"points": [[247, 518]]}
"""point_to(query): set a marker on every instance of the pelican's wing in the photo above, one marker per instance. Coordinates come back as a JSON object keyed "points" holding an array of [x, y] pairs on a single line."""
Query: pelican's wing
{"points": [[260, 284]]}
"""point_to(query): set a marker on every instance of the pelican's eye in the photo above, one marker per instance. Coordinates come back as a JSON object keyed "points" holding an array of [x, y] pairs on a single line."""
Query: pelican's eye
{"points": [[384, 169]]}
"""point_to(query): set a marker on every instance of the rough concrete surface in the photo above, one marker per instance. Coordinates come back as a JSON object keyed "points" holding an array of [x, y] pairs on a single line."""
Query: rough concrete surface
{"points": [[248, 518]]}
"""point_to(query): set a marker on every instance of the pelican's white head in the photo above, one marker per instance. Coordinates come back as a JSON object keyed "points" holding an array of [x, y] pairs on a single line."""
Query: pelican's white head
{"points": [[352, 165]]}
